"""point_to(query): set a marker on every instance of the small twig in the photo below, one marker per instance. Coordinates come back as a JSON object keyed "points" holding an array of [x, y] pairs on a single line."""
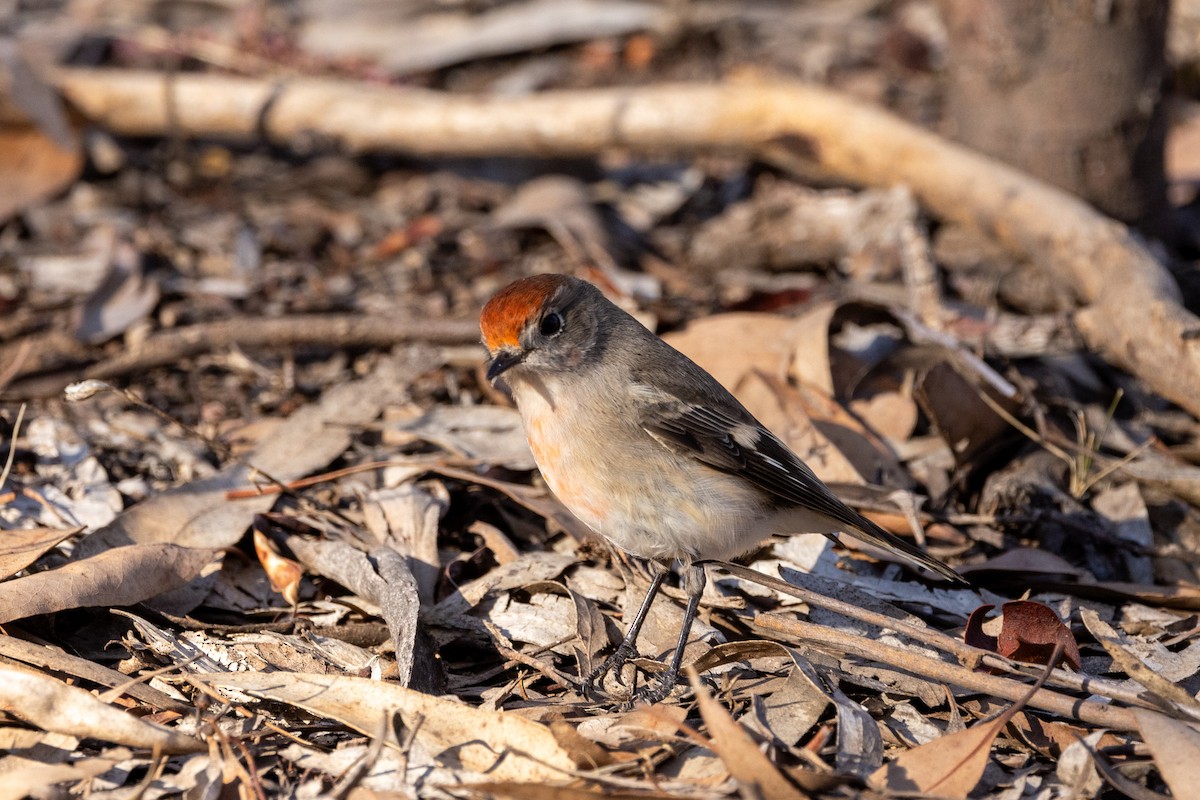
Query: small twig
{"points": [[123, 688], [12, 444], [158, 761], [1093, 713], [515, 656], [919, 332], [338, 474], [920, 275]]}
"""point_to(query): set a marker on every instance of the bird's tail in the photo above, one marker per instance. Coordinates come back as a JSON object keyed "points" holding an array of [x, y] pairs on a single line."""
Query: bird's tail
{"points": [[872, 534]]}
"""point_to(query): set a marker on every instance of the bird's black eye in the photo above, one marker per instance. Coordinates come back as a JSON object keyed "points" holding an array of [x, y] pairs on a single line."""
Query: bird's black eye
{"points": [[552, 324]]}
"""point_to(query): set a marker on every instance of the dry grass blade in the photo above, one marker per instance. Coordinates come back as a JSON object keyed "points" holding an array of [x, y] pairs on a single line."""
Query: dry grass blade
{"points": [[12, 446]]}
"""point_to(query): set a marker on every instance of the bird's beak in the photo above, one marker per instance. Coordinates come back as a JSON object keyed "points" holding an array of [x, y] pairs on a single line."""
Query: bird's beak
{"points": [[503, 361]]}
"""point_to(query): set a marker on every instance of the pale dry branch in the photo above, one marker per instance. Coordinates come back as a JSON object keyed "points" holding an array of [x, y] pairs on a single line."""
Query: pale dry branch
{"points": [[57, 350], [1130, 308]]}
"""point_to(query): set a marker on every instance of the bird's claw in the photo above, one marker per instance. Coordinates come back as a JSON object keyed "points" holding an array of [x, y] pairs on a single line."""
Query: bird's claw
{"points": [[593, 684], [653, 691]]}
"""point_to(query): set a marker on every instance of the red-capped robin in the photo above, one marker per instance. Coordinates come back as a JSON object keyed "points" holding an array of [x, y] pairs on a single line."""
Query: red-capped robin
{"points": [[648, 449]]}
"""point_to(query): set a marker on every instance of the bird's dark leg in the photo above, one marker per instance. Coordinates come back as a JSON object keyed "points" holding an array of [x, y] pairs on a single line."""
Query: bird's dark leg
{"points": [[696, 578], [628, 647]]}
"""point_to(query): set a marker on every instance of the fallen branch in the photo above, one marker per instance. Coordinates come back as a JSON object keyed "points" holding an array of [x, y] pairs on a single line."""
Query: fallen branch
{"points": [[1093, 713], [335, 331], [58, 350], [971, 657], [1131, 311]]}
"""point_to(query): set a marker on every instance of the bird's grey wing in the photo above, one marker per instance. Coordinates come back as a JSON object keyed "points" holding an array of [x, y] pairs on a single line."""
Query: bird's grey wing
{"points": [[744, 447]]}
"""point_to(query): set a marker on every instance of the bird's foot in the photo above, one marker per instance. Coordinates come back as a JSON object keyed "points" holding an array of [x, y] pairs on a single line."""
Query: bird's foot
{"points": [[658, 684], [593, 684], [655, 690]]}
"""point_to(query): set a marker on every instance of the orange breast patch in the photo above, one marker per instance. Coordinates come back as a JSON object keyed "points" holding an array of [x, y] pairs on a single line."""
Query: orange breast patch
{"points": [[562, 475]]}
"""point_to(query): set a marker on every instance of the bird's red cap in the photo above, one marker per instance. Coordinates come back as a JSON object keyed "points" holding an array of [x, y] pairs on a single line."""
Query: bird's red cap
{"points": [[509, 311]]}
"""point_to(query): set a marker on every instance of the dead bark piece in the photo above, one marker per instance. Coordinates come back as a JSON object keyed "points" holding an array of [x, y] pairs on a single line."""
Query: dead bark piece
{"points": [[1132, 314]]}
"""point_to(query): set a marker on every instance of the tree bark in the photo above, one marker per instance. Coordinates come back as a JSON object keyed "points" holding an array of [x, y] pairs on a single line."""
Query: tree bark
{"points": [[1070, 91]]}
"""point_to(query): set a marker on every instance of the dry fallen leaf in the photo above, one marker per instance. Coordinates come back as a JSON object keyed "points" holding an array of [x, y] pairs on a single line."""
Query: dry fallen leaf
{"points": [[892, 415], [1076, 767], [810, 362], [32, 168], [952, 402], [741, 756], [950, 766], [489, 434], [284, 573], [1175, 747], [54, 706], [779, 407], [504, 745], [119, 577], [734, 346], [123, 298], [36, 779], [1029, 632], [20, 548], [384, 578], [1021, 562]]}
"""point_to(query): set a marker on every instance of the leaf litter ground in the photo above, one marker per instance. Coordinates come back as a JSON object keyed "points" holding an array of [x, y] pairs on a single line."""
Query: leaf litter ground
{"points": [[296, 546]]}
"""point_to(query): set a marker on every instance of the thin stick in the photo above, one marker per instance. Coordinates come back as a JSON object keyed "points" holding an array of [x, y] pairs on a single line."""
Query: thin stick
{"points": [[12, 445]]}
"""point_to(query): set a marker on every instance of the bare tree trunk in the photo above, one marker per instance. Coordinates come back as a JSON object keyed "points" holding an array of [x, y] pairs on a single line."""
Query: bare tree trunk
{"points": [[1070, 91]]}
